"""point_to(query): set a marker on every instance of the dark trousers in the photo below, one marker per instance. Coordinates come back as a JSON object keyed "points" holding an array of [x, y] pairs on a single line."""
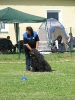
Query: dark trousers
{"points": [[61, 47], [28, 61]]}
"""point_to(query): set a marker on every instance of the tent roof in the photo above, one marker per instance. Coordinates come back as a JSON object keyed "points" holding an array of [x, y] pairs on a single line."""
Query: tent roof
{"points": [[51, 22], [50, 26], [10, 15]]}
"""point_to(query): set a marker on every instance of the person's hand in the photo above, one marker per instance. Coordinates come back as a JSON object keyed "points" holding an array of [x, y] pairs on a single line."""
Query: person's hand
{"points": [[27, 45], [36, 48], [30, 49]]}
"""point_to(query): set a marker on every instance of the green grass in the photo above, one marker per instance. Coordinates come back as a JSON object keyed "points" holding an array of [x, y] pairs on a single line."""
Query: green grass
{"points": [[56, 85]]}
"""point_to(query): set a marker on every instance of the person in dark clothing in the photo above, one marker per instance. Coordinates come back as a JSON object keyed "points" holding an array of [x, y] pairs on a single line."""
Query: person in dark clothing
{"points": [[59, 38], [61, 46], [10, 46], [21, 45], [31, 40], [70, 41]]}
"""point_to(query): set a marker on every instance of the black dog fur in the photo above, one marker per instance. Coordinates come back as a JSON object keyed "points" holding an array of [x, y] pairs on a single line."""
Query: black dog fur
{"points": [[38, 63]]}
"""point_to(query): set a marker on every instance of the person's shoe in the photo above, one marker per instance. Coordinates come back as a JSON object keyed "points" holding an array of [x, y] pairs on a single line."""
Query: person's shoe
{"points": [[27, 70]]}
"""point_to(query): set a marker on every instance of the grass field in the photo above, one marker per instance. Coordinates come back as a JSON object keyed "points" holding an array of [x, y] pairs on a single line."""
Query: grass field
{"points": [[56, 85]]}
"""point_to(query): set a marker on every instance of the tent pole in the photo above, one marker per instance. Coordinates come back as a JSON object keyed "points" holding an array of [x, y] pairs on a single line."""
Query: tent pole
{"points": [[17, 31], [0, 26], [46, 28], [19, 42], [49, 38], [71, 41]]}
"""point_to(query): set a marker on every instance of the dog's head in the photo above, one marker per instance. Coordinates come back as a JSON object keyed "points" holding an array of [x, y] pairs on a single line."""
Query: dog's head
{"points": [[34, 52]]}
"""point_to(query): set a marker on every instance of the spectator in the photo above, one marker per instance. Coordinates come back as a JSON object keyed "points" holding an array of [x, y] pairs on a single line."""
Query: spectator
{"points": [[70, 41], [60, 44], [21, 45], [10, 46]]}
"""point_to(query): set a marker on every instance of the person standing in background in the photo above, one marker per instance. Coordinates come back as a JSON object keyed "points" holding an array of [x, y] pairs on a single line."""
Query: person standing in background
{"points": [[70, 41]]}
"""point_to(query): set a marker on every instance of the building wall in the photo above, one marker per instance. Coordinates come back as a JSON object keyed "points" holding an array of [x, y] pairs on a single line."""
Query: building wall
{"points": [[39, 7]]}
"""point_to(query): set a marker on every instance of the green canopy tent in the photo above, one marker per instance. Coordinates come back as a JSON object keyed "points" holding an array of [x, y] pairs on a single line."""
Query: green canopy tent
{"points": [[10, 15]]}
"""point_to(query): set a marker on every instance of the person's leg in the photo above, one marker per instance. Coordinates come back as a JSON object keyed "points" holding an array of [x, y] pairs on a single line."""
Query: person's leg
{"points": [[28, 62], [59, 50], [14, 48], [63, 47], [10, 48]]}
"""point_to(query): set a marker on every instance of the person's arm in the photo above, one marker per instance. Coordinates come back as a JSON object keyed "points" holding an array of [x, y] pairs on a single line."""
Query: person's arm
{"points": [[37, 45], [68, 39], [26, 44], [62, 41], [37, 42]]}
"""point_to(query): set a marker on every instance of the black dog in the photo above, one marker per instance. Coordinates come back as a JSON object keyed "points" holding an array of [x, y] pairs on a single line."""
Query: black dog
{"points": [[38, 63]]}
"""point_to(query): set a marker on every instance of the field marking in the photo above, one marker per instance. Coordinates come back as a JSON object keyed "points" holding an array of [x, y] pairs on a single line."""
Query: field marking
{"points": [[11, 62], [24, 62]]}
